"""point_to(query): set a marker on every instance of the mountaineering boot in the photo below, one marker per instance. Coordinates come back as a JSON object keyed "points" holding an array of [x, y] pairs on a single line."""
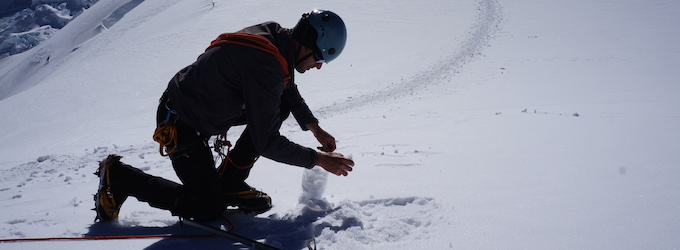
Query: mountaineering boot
{"points": [[248, 200], [106, 203], [239, 194]]}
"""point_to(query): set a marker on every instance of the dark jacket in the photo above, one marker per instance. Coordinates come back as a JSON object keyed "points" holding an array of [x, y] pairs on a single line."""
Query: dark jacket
{"points": [[210, 94]]}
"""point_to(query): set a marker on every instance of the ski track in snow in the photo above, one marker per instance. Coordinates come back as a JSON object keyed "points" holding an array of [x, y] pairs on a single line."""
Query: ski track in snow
{"points": [[477, 38], [348, 223]]}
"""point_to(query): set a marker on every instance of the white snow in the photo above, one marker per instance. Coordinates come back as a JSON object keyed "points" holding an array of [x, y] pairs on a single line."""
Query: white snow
{"points": [[474, 124]]}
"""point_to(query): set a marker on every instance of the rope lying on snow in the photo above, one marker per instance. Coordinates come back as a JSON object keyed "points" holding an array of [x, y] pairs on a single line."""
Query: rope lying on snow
{"points": [[109, 237], [120, 237]]}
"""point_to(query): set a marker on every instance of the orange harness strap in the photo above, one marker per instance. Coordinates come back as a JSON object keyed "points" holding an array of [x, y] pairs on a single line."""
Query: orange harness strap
{"points": [[257, 42]]}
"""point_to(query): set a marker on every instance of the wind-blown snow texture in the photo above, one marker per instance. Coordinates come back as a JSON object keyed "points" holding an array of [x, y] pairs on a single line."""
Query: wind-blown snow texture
{"points": [[475, 124]]}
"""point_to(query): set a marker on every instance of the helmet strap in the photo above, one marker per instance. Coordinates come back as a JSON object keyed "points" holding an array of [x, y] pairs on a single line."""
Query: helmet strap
{"points": [[299, 50]]}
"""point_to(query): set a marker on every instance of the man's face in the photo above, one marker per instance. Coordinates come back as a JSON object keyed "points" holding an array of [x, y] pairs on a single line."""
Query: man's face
{"points": [[308, 63]]}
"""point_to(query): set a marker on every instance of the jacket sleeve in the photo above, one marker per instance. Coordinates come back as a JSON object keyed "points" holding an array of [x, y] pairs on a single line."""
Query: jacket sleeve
{"points": [[262, 83], [303, 115]]}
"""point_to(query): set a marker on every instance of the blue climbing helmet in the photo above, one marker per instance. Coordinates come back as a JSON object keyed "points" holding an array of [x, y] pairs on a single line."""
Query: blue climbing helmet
{"points": [[322, 31]]}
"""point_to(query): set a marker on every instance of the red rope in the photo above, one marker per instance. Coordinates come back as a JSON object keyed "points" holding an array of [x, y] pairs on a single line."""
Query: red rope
{"points": [[120, 237], [109, 237], [260, 43]]}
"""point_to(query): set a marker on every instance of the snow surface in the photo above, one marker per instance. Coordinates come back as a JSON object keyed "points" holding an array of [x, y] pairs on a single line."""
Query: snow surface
{"points": [[474, 124]]}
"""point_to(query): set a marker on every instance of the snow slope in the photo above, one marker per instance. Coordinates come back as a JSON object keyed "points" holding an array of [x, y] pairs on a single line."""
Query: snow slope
{"points": [[475, 124], [25, 24]]}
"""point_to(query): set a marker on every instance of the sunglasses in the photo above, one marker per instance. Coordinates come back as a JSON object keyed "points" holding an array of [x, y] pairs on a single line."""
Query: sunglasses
{"points": [[318, 58]]}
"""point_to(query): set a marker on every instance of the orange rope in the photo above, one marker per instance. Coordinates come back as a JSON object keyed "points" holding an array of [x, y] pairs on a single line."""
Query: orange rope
{"points": [[166, 134]]}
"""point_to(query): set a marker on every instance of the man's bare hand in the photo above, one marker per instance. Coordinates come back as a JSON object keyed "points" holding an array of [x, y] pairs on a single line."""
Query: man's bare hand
{"points": [[327, 140], [334, 163]]}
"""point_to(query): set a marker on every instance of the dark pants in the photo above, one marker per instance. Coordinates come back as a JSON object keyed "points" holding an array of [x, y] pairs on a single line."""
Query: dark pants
{"points": [[200, 196]]}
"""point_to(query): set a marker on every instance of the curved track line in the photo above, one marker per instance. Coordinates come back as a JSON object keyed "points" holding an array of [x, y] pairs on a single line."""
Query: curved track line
{"points": [[478, 37]]}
